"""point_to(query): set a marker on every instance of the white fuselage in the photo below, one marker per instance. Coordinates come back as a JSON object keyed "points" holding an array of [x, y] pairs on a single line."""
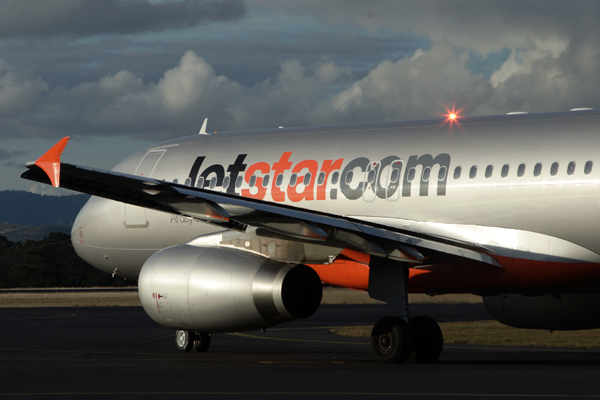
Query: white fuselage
{"points": [[527, 186]]}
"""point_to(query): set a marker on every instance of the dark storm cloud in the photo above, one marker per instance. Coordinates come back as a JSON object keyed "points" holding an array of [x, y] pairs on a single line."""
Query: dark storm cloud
{"points": [[246, 60], [79, 18], [6, 156], [482, 25]]}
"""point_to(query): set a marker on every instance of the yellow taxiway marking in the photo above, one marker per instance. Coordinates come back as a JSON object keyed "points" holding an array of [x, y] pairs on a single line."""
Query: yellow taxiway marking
{"points": [[363, 394], [294, 340]]}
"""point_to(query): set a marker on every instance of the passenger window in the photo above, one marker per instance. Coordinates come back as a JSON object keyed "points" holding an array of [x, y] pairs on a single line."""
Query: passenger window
{"points": [[588, 167], [554, 169], [442, 173], [411, 174], [213, 182], [371, 176], [571, 168], [349, 176], [307, 178], [175, 180], [321, 178], [426, 174], [226, 182], [293, 179], [238, 181], [266, 180], [395, 175], [537, 170], [521, 170], [252, 181], [488, 171], [457, 172], [504, 172], [473, 172], [335, 177], [200, 183], [279, 180], [188, 181]]}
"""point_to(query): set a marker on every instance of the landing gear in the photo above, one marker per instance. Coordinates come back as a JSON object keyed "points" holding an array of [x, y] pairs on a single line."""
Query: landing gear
{"points": [[428, 339], [183, 340], [393, 340], [202, 342]]}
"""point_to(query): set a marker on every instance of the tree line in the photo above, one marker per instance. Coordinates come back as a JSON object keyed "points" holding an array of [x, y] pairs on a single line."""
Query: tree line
{"points": [[30, 209], [50, 262]]}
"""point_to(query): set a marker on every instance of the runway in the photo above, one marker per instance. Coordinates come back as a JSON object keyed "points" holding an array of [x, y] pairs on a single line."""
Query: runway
{"points": [[118, 352]]}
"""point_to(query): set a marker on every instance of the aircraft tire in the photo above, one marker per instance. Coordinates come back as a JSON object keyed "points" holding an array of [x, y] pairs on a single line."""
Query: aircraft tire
{"points": [[202, 342], [428, 339], [391, 340], [183, 340]]}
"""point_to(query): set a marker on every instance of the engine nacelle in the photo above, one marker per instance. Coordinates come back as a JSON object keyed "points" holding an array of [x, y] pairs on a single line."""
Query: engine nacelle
{"points": [[211, 289], [564, 312]]}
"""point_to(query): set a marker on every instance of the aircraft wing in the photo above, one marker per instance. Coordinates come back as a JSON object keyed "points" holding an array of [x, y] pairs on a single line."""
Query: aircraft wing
{"points": [[236, 212]]}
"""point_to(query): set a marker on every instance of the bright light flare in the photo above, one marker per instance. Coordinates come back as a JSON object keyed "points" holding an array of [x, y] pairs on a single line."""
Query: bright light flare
{"points": [[452, 116]]}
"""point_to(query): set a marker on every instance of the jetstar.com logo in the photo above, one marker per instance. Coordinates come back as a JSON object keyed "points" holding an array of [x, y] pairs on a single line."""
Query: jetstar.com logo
{"points": [[299, 180]]}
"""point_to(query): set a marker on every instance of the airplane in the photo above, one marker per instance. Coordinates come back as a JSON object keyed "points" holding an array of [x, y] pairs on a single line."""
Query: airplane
{"points": [[238, 231]]}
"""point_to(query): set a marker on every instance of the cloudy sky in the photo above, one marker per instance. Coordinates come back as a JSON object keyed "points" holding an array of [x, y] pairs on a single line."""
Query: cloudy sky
{"points": [[118, 75]]}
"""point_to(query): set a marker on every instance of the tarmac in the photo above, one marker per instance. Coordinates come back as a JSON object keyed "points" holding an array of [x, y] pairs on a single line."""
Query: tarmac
{"points": [[119, 352]]}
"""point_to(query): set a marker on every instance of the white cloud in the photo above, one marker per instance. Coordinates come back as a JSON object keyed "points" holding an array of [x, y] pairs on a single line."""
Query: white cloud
{"points": [[521, 61], [290, 99], [47, 190], [416, 87], [176, 105], [538, 83], [18, 90]]}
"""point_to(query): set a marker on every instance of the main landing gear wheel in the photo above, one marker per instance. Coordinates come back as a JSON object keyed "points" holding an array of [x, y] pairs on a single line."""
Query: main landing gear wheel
{"points": [[183, 340], [428, 339], [391, 340], [202, 342]]}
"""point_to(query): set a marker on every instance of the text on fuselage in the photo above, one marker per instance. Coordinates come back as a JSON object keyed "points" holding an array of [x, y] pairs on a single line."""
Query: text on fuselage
{"points": [[298, 180]]}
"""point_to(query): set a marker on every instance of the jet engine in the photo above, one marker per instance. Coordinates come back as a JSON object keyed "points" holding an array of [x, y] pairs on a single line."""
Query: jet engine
{"points": [[211, 289], [551, 312]]}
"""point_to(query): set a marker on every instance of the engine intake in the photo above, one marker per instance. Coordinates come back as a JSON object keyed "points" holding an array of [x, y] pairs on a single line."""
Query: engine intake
{"points": [[211, 289]]}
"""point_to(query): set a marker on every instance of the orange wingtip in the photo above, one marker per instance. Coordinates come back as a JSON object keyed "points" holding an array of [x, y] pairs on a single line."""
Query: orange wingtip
{"points": [[50, 161]]}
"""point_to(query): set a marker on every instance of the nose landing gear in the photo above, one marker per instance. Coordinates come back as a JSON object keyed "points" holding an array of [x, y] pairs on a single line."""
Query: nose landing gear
{"points": [[185, 340]]}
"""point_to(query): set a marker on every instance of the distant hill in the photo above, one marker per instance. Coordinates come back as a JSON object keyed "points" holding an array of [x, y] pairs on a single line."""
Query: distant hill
{"points": [[18, 233], [29, 209], [35, 246]]}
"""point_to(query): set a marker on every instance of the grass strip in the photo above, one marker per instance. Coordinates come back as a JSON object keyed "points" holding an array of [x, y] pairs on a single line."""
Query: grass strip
{"points": [[493, 333]]}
